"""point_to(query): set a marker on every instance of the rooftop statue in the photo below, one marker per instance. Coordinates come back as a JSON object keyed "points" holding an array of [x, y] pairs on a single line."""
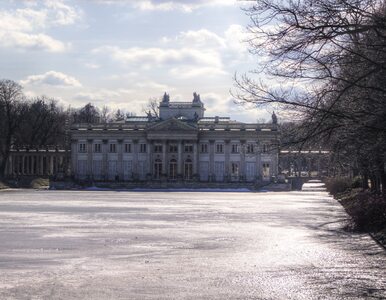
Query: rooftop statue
{"points": [[165, 98], [196, 98], [274, 118]]}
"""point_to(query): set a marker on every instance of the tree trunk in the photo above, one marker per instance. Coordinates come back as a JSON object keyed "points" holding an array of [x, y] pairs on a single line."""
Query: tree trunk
{"points": [[373, 183], [3, 164], [383, 182], [365, 181]]}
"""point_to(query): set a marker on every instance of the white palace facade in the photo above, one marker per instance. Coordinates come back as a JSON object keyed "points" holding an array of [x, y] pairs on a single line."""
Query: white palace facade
{"points": [[178, 146]]}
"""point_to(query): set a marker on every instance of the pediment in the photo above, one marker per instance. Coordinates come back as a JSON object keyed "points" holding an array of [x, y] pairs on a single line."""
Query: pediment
{"points": [[172, 125]]}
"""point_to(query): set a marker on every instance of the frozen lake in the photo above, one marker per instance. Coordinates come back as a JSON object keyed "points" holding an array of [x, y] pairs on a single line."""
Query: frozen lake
{"points": [[183, 245]]}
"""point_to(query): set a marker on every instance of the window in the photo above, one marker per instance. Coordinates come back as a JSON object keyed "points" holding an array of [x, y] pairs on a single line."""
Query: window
{"points": [[127, 169], [112, 169], [173, 148], [235, 169], [97, 169], [188, 169], [250, 171], [235, 148], [219, 148], [173, 169], [157, 168], [97, 148], [219, 170], [82, 168], [158, 148], [250, 148], [82, 147], [113, 148], [142, 148], [265, 148], [265, 170], [128, 148], [204, 148], [188, 148]]}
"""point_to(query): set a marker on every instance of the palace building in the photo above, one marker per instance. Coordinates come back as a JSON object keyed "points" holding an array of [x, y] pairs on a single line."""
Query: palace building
{"points": [[181, 144]]}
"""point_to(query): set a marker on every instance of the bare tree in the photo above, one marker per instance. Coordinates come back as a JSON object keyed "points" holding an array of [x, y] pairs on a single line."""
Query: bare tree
{"points": [[88, 114], [12, 112], [44, 124], [152, 107], [119, 115], [105, 114], [328, 58]]}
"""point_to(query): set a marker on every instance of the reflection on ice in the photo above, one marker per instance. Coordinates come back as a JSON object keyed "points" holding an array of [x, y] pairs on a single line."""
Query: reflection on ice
{"points": [[314, 185], [186, 245]]}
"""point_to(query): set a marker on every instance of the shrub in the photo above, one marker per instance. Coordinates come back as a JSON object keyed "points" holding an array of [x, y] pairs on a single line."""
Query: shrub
{"points": [[338, 185], [39, 183], [368, 211], [356, 182], [3, 186]]}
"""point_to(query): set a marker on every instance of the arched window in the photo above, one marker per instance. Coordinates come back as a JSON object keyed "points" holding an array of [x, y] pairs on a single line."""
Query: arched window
{"points": [[173, 169], [188, 169], [157, 169]]}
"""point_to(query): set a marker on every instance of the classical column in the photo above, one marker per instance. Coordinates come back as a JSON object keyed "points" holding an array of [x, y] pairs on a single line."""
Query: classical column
{"points": [[26, 165], [150, 159], [242, 159], [179, 163], [164, 163], [56, 163], [120, 159], [51, 164], [195, 158], [105, 146], [32, 172], [23, 165], [211, 160], [10, 165], [74, 158], [90, 171], [14, 167], [41, 165], [227, 151], [259, 169], [135, 159], [61, 163]]}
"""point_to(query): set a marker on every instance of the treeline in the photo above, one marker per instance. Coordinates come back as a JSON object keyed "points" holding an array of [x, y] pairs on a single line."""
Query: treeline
{"points": [[41, 121], [329, 58]]}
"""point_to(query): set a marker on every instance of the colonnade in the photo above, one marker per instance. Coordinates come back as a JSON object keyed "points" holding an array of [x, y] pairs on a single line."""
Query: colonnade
{"points": [[161, 164], [36, 163]]}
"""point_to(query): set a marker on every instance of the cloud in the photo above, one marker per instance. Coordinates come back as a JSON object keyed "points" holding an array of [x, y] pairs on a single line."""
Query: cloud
{"points": [[92, 66], [190, 72], [98, 96], [52, 78], [168, 5], [190, 54], [31, 41], [236, 37], [231, 42], [153, 86], [202, 38], [24, 27], [59, 14], [160, 56]]}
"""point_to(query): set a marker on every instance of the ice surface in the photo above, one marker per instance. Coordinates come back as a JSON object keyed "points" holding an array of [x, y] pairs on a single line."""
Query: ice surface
{"points": [[185, 245]]}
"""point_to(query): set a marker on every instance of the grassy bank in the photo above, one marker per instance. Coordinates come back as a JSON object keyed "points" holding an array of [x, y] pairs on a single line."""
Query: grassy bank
{"points": [[3, 185], [367, 210], [26, 183]]}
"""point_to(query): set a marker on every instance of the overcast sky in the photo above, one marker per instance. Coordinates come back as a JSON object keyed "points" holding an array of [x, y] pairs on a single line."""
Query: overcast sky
{"points": [[121, 53]]}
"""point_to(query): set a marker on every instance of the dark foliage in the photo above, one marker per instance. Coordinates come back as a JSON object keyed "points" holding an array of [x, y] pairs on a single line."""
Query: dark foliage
{"points": [[329, 58]]}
